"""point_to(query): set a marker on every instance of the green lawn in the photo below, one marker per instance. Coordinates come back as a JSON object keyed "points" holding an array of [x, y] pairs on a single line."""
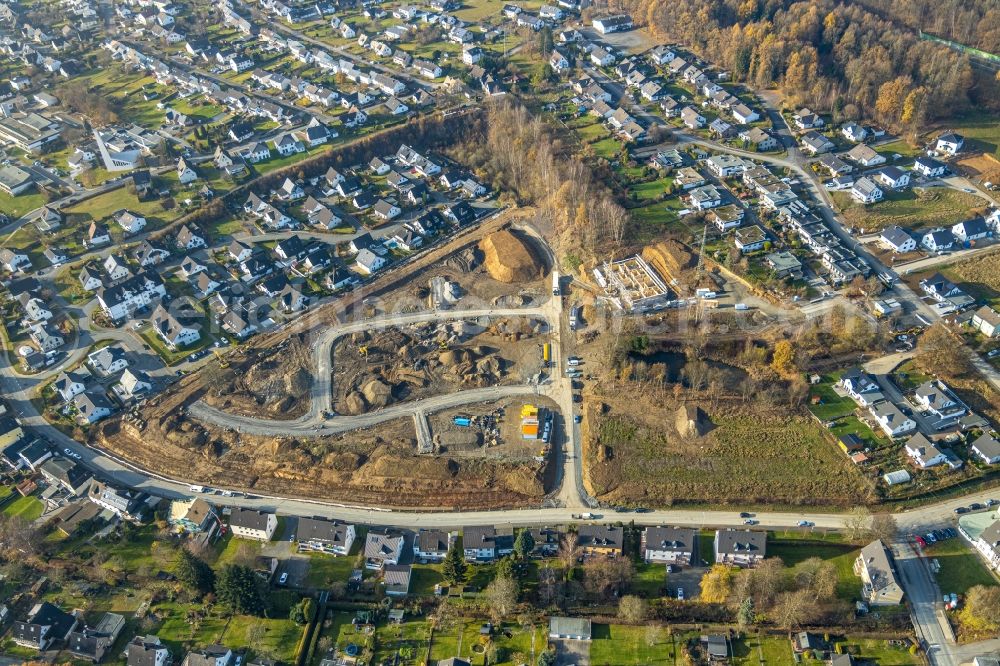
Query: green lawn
{"points": [[901, 147], [649, 579], [23, 203], [961, 567], [28, 508], [912, 209], [651, 189], [621, 644], [752, 650], [841, 555], [607, 148], [327, 569]]}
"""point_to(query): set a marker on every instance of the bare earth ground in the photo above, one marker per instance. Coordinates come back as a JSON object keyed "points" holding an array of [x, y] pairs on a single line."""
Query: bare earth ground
{"points": [[751, 454], [504, 441], [399, 364], [272, 384], [361, 467], [377, 466]]}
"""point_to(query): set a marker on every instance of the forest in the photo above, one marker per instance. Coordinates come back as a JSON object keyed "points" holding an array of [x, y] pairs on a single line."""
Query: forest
{"points": [[851, 60]]}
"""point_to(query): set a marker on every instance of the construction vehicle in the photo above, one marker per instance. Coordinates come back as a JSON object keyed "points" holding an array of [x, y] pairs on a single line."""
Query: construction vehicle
{"points": [[223, 363], [363, 350]]}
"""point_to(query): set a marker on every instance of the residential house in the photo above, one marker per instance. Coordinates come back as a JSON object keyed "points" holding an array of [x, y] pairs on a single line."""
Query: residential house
{"points": [[325, 536], [396, 578], [287, 145], [193, 515], [190, 238], [691, 118], [750, 239], [147, 254], [131, 222], [950, 143], [865, 156], [923, 453], [971, 230], [213, 655], [854, 132], [987, 448], [44, 625], [929, 167], [431, 545], [864, 190], [177, 331], [987, 321], [66, 474], [938, 240], [570, 628], [815, 143], [147, 651], [877, 569], [893, 177], [673, 545], [108, 361], [600, 540], [892, 421], [805, 119], [93, 643], [92, 406], [382, 548], [898, 239], [367, 262], [252, 524], [743, 548], [70, 384], [487, 543]]}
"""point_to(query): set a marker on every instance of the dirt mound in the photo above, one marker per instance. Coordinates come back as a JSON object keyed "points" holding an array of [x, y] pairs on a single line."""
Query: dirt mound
{"points": [[670, 258], [509, 259], [524, 482], [377, 393], [453, 357], [354, 404]]}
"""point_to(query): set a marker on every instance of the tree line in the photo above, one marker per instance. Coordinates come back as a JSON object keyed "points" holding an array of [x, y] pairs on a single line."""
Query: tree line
{"points": [[521, 155], [838, 58]]}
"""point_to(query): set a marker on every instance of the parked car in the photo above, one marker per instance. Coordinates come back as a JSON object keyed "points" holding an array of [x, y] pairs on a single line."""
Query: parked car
{"points": [[283, 579], [680, 594], [805, 523], [960, 510], [920, 541]]}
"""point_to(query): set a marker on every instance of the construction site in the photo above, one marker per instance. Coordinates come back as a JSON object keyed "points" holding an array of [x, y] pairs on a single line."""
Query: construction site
{"points": [[502, 270], [377, 368], [274, 384], [513, 429]]}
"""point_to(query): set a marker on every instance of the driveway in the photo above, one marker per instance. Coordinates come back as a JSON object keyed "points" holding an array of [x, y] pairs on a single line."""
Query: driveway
{"points": [[570, 652]]}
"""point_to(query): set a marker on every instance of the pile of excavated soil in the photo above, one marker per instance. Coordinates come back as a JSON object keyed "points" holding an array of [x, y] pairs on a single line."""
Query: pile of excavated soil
{"points": [[670, 258], [509, 259]]}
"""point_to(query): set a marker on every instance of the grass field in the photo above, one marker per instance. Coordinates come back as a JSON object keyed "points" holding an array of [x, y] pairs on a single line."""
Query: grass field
{"points": [[27, 508], [912, 209], [621, 644], [980, 275], [750, 457], [841, 555], [23, 203], [961, 567]]}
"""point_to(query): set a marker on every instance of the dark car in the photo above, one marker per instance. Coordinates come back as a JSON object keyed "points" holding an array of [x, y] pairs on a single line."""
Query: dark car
{"points": [[745, 514], [960, 510], [642, 509], [975, 506]]}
